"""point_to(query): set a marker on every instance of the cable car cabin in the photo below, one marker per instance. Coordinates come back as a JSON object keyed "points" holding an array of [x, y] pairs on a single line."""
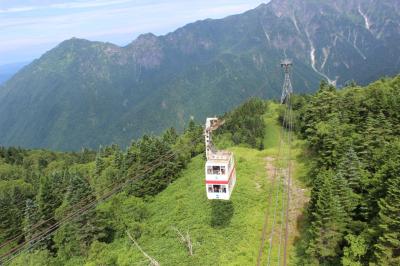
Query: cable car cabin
{"points": [[220, 165], [220, 175]]}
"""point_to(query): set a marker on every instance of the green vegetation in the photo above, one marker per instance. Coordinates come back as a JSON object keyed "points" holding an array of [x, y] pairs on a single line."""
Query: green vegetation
{"points": [[246, 124], [151, 209], [221, 232], [346, 150], [40, 188], [354, 152]]}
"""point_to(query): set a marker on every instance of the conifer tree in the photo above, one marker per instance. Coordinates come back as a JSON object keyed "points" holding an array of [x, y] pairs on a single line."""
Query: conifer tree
{"points": [[351, 169], [389, 168], [371, 140], [31, 218], [11, 214], [170, 136], [387, 250], [194, 133], [322, 106], [118, 159], [48, 199], [348, 199], [132, 154], [151, 149], [77, 235], [328, 222], [99, 164], [316, 184]]}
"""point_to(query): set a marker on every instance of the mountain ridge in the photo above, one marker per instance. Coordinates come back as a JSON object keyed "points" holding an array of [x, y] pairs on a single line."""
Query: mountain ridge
{"points": [[8, 70], [84, 94]]}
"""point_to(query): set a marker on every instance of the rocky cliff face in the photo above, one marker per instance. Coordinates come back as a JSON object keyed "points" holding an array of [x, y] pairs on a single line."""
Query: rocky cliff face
{"points": [[341, 40], [85, 93]]}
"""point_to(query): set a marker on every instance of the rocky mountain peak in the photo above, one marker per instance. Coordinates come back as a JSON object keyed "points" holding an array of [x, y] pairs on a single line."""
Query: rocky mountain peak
{"points": [[202, 68], [146, 50]]}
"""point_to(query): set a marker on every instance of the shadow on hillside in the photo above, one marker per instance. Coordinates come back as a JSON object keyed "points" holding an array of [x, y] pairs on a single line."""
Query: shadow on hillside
{"points": [[221, 213]]}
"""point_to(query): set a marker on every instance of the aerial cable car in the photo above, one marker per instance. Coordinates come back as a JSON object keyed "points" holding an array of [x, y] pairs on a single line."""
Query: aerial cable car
{"points": [[220, 165]]}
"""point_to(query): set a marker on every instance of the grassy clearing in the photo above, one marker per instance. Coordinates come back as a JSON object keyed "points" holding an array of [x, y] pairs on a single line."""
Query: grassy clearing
{"points": [[184, 205], [272, 131]]}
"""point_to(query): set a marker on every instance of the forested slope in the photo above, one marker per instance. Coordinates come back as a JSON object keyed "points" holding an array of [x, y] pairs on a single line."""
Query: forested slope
{"points": [[354, 152], [39, 189]]}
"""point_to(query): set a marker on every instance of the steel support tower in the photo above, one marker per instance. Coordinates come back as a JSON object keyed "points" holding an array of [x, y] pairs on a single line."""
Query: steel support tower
{"points": [[287, 89]]}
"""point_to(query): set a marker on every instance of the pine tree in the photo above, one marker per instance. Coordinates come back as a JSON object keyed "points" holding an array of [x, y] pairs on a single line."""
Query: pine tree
{"points": [[11, 215], [351, 169], [316, 184], [348, 199], [387, 250], [170, 136], [191, 126], [371, 140], [328, 223], [322, 106], [193, 135], [118, 159], [48, 200], [75, 237], [377, 133], [151, 149], [31, 218], [132, 155], [385, 126], [99, 164], [389, 168]]}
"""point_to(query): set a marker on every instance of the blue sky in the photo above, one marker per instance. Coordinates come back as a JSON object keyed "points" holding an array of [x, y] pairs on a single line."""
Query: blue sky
{"points": [[28, 28]]}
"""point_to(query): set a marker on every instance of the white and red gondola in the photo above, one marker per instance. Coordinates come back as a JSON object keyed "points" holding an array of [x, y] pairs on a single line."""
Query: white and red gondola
{"points": [[220, 168]]}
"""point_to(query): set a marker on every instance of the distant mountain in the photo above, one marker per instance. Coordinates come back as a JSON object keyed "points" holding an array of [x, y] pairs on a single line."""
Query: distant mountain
{"points": [[84, 93], [8, 70]]}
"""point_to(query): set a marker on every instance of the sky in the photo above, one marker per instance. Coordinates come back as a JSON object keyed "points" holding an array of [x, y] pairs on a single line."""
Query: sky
{"points": [[28, 28]]}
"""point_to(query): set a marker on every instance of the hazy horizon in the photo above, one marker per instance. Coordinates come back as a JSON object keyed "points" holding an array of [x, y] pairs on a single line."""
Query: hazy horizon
{"points": [[30, 28]]}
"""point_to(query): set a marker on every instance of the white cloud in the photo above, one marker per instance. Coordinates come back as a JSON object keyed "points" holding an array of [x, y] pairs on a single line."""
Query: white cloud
{"points": [[17, 9]]}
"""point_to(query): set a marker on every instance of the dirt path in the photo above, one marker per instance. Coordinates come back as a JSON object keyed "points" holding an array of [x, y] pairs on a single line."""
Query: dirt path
{"points": [[269, 167], [270, 248], [271, 176], [299, 199]]}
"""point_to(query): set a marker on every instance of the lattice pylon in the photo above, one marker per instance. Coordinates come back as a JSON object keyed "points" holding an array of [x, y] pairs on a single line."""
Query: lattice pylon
{"points": [[287, 89]]}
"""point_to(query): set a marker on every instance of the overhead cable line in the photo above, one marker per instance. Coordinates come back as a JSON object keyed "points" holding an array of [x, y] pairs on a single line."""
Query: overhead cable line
{"points": [[52, 228], [8, 256]]}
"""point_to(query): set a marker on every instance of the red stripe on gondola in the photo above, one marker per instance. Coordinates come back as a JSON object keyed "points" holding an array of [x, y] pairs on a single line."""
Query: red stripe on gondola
{"points": [[216, 182]]}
